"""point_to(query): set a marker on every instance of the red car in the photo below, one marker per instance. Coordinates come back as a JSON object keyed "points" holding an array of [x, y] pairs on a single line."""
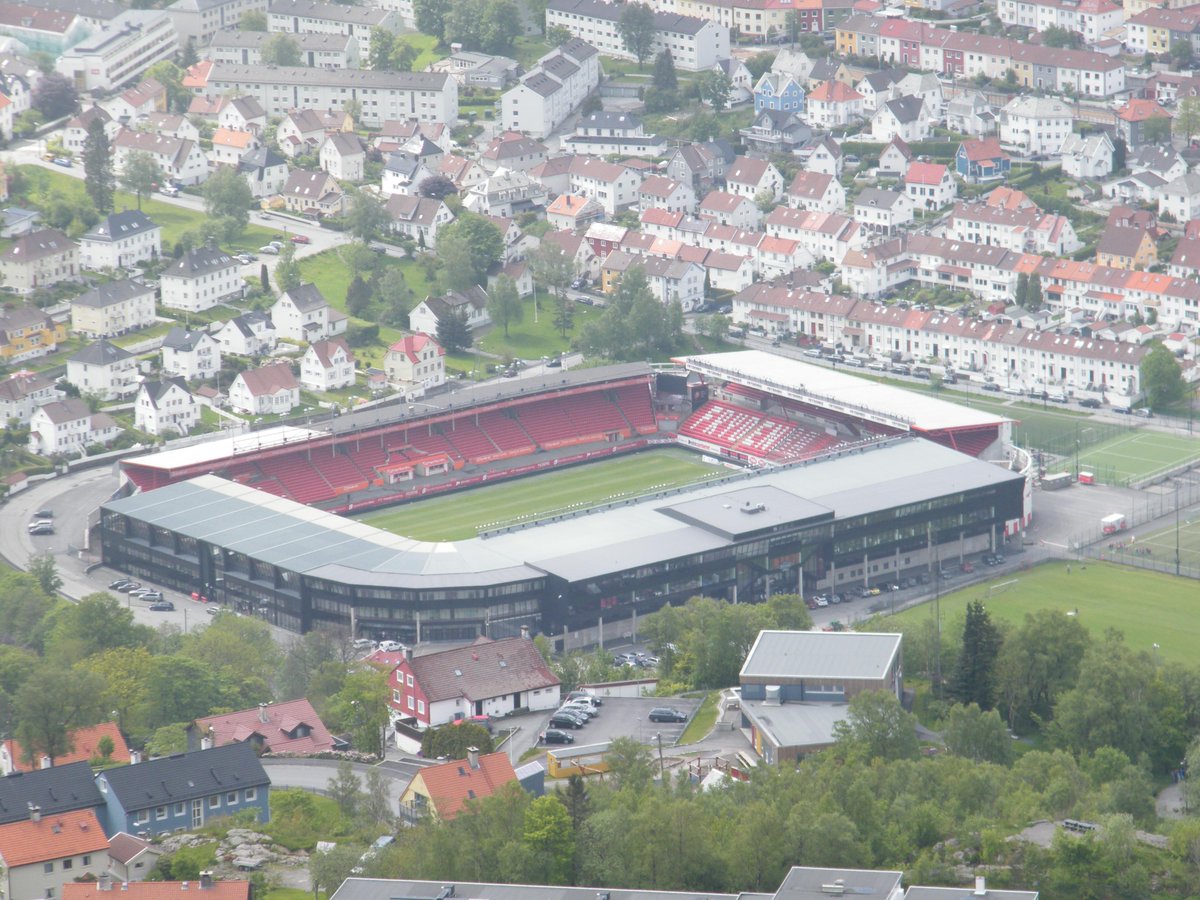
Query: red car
{"points": [[300, 239]]}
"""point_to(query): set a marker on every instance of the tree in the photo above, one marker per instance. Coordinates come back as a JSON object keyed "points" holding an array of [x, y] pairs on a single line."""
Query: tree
{"points": [[638, 30], [376, 807], [1034, 301], [55, 96], [383, 45], [253, 20], [98, 166], [504, 303], [358, 297], [1057, 36], [453, 741], [564, 315], [329, 868], [550, 840], [395, 297], [437, 187], [184, 689], [551, 267], [44, 568], [453, 332], [287, 270], [630, 764], [105, 748], [877, 726], [577, 801], [977, 735], [1022, 295], [168, 739], [457, 258], [715, 88], [1162, 377], [96, 623], [170, 76], [53, 702], [973, 679], [1038, 662], [1157, 130], [1181, 54], [188, 56], [483, 242], [405, 57], [366, 216], [242, 653], [360, 707], [664, 76], [556, 35], [431, 17], [345, 789], [227, 199], [282, 50], [140, 174], [264, 278], [1187, 117], [501, 26]]}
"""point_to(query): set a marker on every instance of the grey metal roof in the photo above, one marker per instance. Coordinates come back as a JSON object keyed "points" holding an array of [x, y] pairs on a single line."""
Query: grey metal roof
{"points": [[120, 225], [112, 293], [804, 883], [820, 654], [965, 893], [808, 725], [183, 776], [386, 889], [236, 73], [57, 789], [101, 353]]}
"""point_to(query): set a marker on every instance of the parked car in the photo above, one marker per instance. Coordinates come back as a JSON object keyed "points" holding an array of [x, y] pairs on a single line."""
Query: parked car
{"points": [[579, 283], [269, 249], [162, 606], [150, 596], [301, 239], [118, 584], [562, 720], [554, 736], [364, 644], [391, 646], [44, 514], [169, 190], [63, 161], [554, 363], [1090, 403], [575, 695], [130, 587], [41, 528], [578, 712], [667, 714], [1143, 412]]}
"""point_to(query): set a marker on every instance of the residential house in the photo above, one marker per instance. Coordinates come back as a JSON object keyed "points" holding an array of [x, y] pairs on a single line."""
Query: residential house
{"points": [[190, 353], [53, 790], [85, 746], [775, 131], [395, 133], [300, 131], [1180, 198], [318, 17], [506, 194], [23, 392], [104, 370], [181, 161], [827, 236], [970, 113], [265, 171], [832, 104], [793, 61], [419, 218], [212, 888], [514, 151], [202, 278], [243, 114], [670, 280], [484, 678], [780, 92], [43, 853], [271, 389], [327, 366], [130, 860], [76, 132], [120, 240], [1133, 120], [250, 334], [661, 192], [1165, 162], [291, 727], [613, 134], [472, 69], [199, 20], [816, 191], [415, 364], [441, 791], [168, 124], [906, 117], [612, 185], [148, 96], [883, 212], [696, 164], [1122, 247], [17, 221], [826, 156], [64, 427], [576, 248], [470, 305], [878, 87], [165, 406], [38, 260], [729, 209], [1088, 157], [1019, 228], [982, 159], [343, 156], [930, 185], [313, 193], [1035, 125], [230, 146], [549, 93], [303, 314], [184, 790], [754, 178], [894, 159], [113, 309], [403, 173], [573, 213], [740, 79], [26, 333]]}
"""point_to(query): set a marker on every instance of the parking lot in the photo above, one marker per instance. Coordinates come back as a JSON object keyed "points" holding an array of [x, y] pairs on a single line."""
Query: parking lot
{"points": [[630, 717]]}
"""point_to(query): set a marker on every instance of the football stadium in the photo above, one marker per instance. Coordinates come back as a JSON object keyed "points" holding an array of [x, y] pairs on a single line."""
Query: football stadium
{"points": [[811, 480]]}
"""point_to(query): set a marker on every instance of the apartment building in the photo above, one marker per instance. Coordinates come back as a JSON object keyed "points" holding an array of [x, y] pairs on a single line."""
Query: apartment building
{"points": [[552, 90], [695, 44], [317, 50], [199, 20], [317, 17]]}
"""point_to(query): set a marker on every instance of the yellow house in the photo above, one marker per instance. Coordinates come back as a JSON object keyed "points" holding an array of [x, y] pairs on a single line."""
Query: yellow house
{"points": [[442, 791], [1122, 247], [846, 42], [26, 333]]}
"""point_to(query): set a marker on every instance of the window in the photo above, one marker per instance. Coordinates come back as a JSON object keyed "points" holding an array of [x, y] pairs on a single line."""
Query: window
{"points": [[251, 794], [48, 867], [421, 707], [231, 797], [141, 817], [214, 801], [68, 863], [160, 812], [86, 861]]}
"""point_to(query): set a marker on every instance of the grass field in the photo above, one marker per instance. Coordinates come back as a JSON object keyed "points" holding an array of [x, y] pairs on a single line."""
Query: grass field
{"points": [[465, 514], [1132, 455], [1147, 607], [1161, 545]]}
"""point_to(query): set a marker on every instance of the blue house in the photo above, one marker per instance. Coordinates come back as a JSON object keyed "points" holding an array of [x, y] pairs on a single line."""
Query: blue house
{"points": [[183, 791], [57, 789], [982, 160], [778, 92]]}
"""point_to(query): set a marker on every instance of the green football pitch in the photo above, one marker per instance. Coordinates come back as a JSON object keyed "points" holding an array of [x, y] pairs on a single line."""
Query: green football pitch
{"points": [[1147, 607], [1131, 455], [1161, 545], [466, 513]]}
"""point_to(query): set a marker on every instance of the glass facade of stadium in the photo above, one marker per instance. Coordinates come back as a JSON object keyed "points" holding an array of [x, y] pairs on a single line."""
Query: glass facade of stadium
{"points": [[876, 535]]}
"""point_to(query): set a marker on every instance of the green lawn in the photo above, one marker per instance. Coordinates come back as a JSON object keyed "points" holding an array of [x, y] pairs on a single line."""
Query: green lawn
{"points": [[703, 721], [424, 43], [528, 339], [1149, 608], [463, 515], [1133, 454]]}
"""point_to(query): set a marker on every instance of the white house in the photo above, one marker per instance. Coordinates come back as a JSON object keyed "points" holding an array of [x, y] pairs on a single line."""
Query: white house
{"points": [[415, 363], [883, 212], [343, 156], [68, 426], [271, 389], [696, 44], [229, 146], [112, 309], [403, 173], [1088, 157], [265, 171], [243, 113], [303, 314], [119, 240], [1180, 198], [930, 185], [103, 369], [753, 178], [165, 405], [313, 193], [191, 354], [470, 304], [613, 186], [894, 159], [169, 124], [250, 334], [180, 160], [661, 192], [327, 366], [826, 157], [905, 118], [831, 104], [23, 392], [816, 191], [39, 259], [77, 129], [201, 279], [669, 279], [1035, 124], [300, 131], [419, 218], [551, 91], [725, 208]]}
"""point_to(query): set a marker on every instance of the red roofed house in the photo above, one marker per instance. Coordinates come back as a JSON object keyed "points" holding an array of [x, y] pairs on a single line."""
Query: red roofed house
{"points": [[930, 185], [441, 791], [730, 209], [270, 389], [327, 365], [415, 363], [486, 678], [289, 727], [573, 213], [982, 159], [832, 103], [206, 886], [131, 858], [41, 854], [84, 743], [1132, 119]]}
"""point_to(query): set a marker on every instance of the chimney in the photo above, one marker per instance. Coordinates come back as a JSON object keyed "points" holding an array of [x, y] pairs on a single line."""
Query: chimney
{"points": [[206, 742], [124, 885], [525, 632], [104, 882], [980, 886], [183, 885], [45, 762], [206, 881], [408, 653], [473, 757], [262, 713], [35, 813], [135, 757]]}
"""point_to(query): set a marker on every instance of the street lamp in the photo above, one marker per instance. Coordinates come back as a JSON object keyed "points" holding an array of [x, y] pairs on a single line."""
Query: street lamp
{"points": [[1177, 526]]}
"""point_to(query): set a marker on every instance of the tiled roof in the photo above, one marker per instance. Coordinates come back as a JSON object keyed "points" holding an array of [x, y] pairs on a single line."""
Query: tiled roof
{"points": [[112, 293], [56, 836], [325, 350], [158, 890], [411, 346], [83, 747], [483, 669], [123, 848], [38, 245], [450, 785], [925, 173], [269, 379], [277, 732]]}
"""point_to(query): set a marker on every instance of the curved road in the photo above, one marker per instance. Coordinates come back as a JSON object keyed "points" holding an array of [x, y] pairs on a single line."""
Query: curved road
{"points": [[315, 775]]}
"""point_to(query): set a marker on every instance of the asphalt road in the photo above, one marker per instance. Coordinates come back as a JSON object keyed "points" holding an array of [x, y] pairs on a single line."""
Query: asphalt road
{"points": [[629, 717], [315, 775]]}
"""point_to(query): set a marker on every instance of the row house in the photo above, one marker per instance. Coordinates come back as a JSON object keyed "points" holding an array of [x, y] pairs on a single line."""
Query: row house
{"points": [[1027, 230], [695, 44], [613, 186], [1157, 30], [827, 236], [1090, 18], [321, 51]]}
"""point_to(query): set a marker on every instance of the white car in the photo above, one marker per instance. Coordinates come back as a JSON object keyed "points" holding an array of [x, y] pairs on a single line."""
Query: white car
{"points": [[269, 249], [391, 646]]}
